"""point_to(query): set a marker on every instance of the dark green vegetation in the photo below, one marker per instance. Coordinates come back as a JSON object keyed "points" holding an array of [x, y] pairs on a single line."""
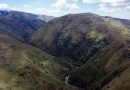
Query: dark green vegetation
{"points": [[99, 45]]}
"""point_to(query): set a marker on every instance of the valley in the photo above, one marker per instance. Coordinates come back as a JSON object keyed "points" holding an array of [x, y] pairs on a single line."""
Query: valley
{"points": [[73, 52]]}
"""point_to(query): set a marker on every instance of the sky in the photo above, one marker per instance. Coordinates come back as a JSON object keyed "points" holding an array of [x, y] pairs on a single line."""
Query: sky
{"points": [[114, 8]]}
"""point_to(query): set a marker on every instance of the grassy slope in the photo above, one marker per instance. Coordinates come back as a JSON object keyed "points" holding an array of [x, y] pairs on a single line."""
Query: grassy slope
{"points": [[102, 43], [109, 68], [23, 67], [78, 36]]}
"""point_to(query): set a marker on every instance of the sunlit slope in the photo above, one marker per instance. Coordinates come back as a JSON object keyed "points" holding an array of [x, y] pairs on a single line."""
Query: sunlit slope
{"points": [[23, 67]]}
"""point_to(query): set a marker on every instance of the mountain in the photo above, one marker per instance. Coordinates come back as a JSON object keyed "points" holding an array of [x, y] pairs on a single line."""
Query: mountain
{"points": [[98, 46], [20, 24], [78, 36]]}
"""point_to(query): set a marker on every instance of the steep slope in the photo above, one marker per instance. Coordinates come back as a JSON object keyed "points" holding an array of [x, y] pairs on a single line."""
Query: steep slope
{"points": [[108, 69], [23, 67], [99, 45], [19, 24], [78, 36]]}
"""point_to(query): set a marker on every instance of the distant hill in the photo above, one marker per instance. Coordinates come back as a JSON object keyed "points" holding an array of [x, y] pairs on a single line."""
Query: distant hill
{"points": [[20, 24]]}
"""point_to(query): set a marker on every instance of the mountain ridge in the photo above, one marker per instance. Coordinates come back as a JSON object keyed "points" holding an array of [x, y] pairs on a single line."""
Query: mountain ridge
{"points": [[20, 25], [77, 19]]}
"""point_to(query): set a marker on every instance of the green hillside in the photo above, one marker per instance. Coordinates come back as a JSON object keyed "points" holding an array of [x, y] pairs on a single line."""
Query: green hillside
{"points": [[99, 46], [23, 67]]}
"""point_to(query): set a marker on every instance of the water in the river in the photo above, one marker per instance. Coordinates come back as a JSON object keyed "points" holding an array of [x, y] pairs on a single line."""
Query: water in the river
{"points": [[66, 79]]}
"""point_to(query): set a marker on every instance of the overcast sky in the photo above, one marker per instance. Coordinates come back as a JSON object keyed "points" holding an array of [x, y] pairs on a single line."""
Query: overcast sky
{"points": [[115, 8]]}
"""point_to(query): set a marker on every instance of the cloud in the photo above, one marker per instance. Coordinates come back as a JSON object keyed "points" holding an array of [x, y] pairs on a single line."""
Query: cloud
{"points": [[112, 3], [75, 0], [104, 8], [59, 8], [4, 6], [49, 11], [124, 15], [115, 4], [120, 4], [72, 6], [46, 10], [59, 3], [111, 7], [38, 1], [25, 6], [119, 12], [104, 1], [14, 8], [116, 8], [63, 4], [128, 8]]}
